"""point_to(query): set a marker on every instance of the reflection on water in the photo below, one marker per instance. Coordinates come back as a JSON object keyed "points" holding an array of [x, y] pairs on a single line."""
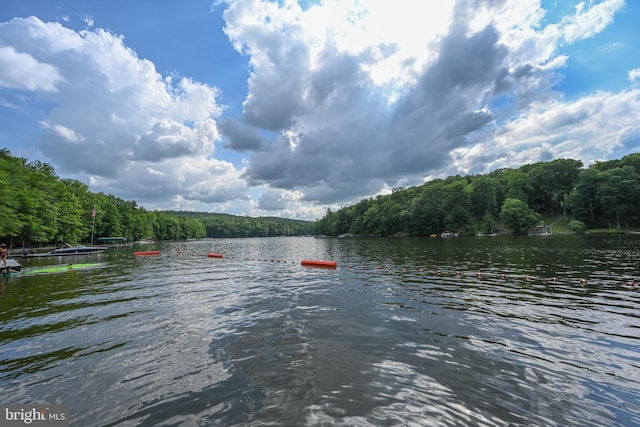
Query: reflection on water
{"points": [[467, 331]]}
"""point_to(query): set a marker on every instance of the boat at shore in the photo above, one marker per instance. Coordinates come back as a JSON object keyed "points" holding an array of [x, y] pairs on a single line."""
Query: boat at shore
{"points": [[75, 250], [68, 250]]}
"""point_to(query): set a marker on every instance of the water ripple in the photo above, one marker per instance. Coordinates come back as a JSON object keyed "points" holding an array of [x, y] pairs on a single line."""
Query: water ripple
{"points": [[254, 339]]}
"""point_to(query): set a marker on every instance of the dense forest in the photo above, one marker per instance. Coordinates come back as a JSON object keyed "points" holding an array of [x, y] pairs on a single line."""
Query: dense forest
{"points": [[224, 225], [38, 208], [606, 194]]}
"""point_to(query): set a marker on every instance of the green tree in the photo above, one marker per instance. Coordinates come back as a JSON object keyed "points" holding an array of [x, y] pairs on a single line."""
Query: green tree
{"points": [[321, 227], [70, 214], [372, 221], [110, 218], [390, 213], [584, 202], [455, 205], [517, 216], [357, 224], [488, 223], [39, 209], [518, 186], [619, 193], [552, 182], [427, 213], [12, 191], [483, 197]]}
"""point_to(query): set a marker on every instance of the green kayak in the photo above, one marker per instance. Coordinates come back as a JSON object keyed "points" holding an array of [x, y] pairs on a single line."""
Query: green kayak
{"points": [[58, 268]]}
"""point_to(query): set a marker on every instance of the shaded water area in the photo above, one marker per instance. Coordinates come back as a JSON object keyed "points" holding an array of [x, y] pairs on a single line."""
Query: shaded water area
{"points": [[540, 331]]}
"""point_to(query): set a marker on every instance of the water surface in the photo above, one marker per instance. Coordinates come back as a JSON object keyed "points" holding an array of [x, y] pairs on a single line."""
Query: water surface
{"points": [[412, 331]]}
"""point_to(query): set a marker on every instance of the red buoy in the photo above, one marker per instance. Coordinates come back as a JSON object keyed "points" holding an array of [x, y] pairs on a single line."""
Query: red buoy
{"points": [[147, 253], [321, 264], [214, 255]]}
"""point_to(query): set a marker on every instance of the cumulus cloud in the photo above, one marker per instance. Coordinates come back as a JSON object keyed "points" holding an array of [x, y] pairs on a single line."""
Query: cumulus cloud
{"points": [[346, 128], [348, 132], [588, 20], [240, 137], [169, 140], [115, 119], [275, 200], [345, 100], [178, 184], [22, 71], [605, 121]]}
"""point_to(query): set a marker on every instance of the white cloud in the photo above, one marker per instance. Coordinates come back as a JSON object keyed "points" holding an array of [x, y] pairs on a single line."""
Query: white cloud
{"points": [[589, 20], [346, 99], [169, 139], [117, 120], [88, 20], [592, 128], [22, 71], [317, 74], [275, 200], [31, 35], [64, 132], [634, 75]]}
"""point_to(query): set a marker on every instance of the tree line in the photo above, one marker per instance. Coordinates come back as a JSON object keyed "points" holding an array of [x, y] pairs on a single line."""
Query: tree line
{"points": [[606, 194], [225, 225], [37, 208]]}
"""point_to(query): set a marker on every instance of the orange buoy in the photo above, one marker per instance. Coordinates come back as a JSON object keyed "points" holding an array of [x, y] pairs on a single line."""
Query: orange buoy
{"points": [[214, 255], [321, 264], [147, 253]]}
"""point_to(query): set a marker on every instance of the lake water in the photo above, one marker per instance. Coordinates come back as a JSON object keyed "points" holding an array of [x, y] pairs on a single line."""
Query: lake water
{"points": [[492, 331]]}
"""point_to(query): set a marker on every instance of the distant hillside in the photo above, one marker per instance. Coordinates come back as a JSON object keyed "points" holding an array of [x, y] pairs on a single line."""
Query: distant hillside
{"points": [[605, 195], [225, 225]]}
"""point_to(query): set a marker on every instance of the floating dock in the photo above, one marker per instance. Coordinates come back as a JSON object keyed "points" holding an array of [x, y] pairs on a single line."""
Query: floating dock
{"points": [[12, 266], [61, 268]]}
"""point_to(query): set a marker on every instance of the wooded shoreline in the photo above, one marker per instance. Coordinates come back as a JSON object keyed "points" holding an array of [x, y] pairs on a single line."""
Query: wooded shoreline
{"points": [[38, 209], [604, 196]]}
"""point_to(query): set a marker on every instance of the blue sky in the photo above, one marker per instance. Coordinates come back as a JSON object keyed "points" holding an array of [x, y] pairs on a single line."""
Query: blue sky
{"points": [[256, 107]]}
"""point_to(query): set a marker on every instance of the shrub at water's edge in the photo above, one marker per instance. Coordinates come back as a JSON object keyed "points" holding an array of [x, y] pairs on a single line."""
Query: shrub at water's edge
{"points": [[577, 226]]}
